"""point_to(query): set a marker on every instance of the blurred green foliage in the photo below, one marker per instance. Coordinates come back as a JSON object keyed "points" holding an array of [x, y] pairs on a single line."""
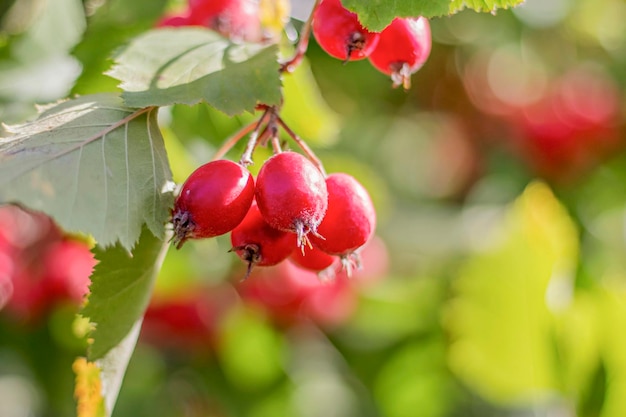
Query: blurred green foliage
{"points": [[505, 292]]}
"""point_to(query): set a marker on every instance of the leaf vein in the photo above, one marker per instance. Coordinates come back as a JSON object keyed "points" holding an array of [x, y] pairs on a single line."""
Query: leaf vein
{"points": [[127, 181]]}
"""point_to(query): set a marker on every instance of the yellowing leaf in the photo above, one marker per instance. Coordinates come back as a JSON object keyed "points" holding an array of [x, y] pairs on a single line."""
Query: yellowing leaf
{"points": [[274, 16], [612, 305], [501, 318], [88, 389]]}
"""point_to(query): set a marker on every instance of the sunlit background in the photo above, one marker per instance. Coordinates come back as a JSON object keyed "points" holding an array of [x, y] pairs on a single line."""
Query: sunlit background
{"points": [[495, 286]]}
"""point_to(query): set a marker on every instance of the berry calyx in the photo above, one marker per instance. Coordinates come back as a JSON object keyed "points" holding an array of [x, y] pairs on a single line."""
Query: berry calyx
{"points": [[402, 49], [291, 194], [339, 32], [259, 244], [350, 219], [213, 200]]}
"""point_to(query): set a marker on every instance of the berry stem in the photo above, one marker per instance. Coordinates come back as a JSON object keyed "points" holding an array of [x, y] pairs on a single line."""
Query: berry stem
{"points": [[232, 141], [246, 157], [272, 127], [303, 44], [302, 144]]}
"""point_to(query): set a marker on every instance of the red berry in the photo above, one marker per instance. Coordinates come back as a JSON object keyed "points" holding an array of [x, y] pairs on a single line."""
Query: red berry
{"points": [[403, 48], [292, 295], [188, 320], [213, 200], [259, 244], [174, 20], [68, 265], [339, 33], [236, 19], [572, 127], [350, 219], [313, 259], [292, 195]]}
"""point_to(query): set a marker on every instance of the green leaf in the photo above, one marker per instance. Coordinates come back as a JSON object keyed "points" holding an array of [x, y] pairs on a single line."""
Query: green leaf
{"points": [[190, 65], [92, 164], [489, 6], [377, 14], [502, 318], [120, 289]]}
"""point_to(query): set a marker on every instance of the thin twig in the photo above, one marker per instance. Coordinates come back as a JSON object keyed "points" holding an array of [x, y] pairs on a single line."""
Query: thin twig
{"points": [[246, 157], [303, 44], [305, 148], [232, 141], [272, 127]]}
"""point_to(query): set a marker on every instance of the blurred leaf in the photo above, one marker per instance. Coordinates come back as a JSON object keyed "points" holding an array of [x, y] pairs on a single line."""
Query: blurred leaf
{"points": [[612, 305], [381, 319], [120, 290], [376, 14], [501, 316], [305, 110], [250, 350], [180, 160], [578, 332], [109, 27], [93, 165], [57, 27], [190, 65], [88, 389], [37, 65], [414, 378]]}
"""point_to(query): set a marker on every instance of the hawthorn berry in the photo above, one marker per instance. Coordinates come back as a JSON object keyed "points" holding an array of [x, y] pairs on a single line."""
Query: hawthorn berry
{"points": [[312, 259], [402, 49], [293, 295], [236, 19], [339, 32], [213, 200], [350, 219], [259, 244], [291, 194]]}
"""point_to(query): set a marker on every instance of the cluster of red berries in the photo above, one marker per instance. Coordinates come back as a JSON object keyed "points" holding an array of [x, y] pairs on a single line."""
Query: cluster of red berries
{"points": [[292, 210], [236, 19], [399, 50]]}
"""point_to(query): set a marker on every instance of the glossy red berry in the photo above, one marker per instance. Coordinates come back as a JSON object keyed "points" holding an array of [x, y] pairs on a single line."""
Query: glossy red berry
{"points": [[350, 219], [339, 32], [403, 48], [236, 19], [259, 244], [291, 194], [213, 200], [312, 259]]}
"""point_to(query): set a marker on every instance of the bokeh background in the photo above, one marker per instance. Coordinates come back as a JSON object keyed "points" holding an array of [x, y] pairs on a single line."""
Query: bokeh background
{"points": [[495, 285]]}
